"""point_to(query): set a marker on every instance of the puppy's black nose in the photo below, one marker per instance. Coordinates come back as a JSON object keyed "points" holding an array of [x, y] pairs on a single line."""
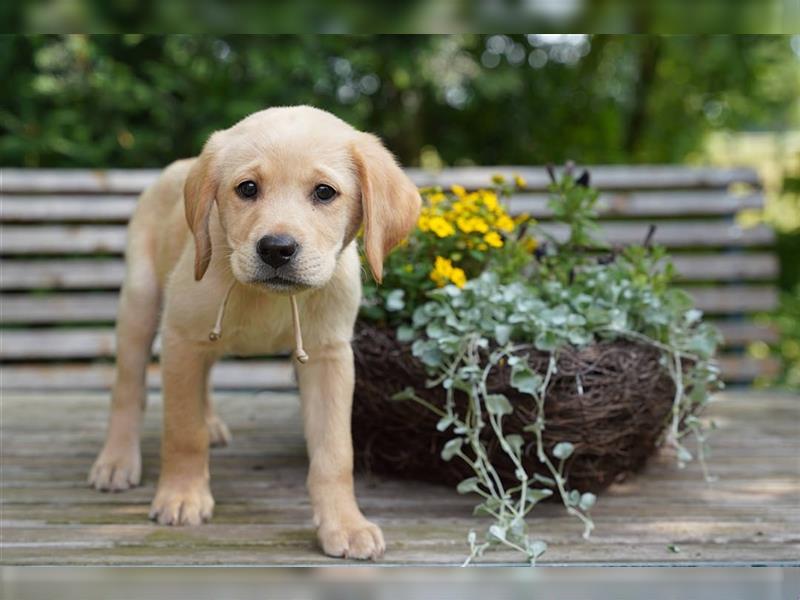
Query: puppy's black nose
{"points": [[276, 250]]}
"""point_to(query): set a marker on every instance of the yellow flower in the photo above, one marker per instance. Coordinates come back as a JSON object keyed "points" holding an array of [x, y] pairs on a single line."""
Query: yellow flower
{"points": [[530, 244], [459, 190], [498, 179], [493, 239], [443, 266], [490, 200], [465, 224], [479, 225], [505, 223], [519, 181], [441, 227], [436, 198], [424, 223], [442, 270], [437, 278], [458, 277]]}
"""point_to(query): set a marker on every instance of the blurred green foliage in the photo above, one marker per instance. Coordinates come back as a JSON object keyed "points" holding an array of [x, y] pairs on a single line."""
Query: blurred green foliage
{"points": [[143, 100], [401, 16]]}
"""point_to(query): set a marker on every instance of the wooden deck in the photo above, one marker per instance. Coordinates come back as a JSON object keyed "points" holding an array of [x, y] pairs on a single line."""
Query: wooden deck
{"points": [[49, 515]]}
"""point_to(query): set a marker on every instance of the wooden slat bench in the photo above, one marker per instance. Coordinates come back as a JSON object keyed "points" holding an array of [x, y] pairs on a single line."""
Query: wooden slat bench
{"points": [[62, 236]]}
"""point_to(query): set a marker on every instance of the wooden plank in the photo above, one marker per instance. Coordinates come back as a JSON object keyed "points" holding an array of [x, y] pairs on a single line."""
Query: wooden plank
{"points": [[75, 343], [21, 274], [76, 181], [263, 516], [62, 274], [605, 177], [734, 298], [743, 332], [743, 369], [95, 307], [731, 266], [648, 204], [62, 239], [622, 177], [91, 239], [58, 308], [108, 208], [67, 208], [676, 234], [275, 374], [57, 343], [251, 374]]}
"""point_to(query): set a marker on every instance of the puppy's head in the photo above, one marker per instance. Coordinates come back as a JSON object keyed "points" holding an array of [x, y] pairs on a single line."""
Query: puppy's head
{"points": [[293, 186]]}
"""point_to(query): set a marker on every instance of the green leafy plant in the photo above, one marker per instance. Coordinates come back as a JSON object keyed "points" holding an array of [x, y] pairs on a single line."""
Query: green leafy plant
{"points": [[786, 321], [566, 293]]}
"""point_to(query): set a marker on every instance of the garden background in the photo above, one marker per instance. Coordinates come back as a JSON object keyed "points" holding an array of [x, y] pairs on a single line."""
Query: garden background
{"points": [[135, 101]]}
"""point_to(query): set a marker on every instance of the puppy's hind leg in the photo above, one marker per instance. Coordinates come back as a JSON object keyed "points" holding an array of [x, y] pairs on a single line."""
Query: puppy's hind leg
{"points": [[218, 433], [119, 465]]}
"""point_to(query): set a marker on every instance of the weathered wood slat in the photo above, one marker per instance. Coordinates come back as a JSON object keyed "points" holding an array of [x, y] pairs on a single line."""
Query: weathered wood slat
{"points": [[106, 208], [250, 375], [616, 177], [22, 274], [648, 204], [102, 306], [740, 333], [605, 177], [34, 344], [67, 208], [743, 369], [734, 298], [58, 308], [720, 266], [275, 374], [91, 239], [62, 274], [62, 239], [676, 234], [75, 181]]}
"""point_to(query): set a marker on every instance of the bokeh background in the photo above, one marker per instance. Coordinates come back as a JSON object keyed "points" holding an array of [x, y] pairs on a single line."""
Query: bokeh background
{"points": [[402, 16], [143, 100]]}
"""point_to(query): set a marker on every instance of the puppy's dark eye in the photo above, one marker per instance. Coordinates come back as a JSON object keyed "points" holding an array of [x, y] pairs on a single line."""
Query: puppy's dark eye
{"points": [[324, 193], [247, 189]]}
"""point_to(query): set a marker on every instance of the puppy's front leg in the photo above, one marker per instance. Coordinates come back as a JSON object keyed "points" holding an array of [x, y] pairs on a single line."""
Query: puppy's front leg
{"points": [[326, 391], [183, 496]]}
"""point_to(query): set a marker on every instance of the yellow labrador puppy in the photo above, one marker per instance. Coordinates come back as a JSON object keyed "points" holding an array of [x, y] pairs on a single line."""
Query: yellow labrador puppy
{"points": [[272, 205]]}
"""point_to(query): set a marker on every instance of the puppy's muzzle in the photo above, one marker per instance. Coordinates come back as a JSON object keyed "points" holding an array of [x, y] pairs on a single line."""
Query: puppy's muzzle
{"points": [[277, 250]]}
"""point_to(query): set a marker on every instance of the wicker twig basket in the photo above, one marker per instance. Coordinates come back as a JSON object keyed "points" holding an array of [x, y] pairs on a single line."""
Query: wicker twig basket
{"points": [[614, 417]]}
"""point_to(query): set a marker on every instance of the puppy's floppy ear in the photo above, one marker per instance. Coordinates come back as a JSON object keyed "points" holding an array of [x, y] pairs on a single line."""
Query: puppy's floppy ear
{"points": [[199, 193], [390, 201]]}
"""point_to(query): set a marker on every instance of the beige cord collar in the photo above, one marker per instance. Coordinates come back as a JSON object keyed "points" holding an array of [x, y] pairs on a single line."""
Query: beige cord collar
{"points": [[299, 352]]}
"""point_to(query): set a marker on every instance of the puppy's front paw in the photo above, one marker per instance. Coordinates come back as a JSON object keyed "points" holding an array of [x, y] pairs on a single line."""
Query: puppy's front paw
{"points": [[354, 538], [182, 504], [218, 432], [117, 468]]}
